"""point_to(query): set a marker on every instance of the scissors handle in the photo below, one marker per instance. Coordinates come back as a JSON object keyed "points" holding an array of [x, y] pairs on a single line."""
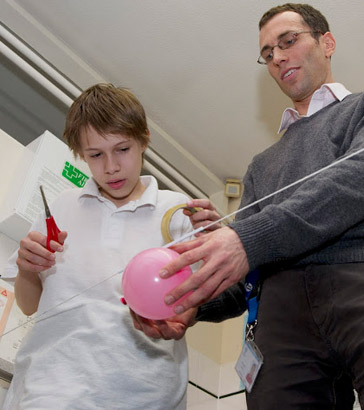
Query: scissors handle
{"points": [[52, 232]]}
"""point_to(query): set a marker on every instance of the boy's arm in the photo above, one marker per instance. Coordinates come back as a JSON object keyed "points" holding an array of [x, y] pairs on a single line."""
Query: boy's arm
{"points": [[28, 289], [33, 257]]}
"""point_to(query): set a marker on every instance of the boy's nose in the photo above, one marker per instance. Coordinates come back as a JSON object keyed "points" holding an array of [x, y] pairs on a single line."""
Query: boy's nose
{"points": [[111, 165]]}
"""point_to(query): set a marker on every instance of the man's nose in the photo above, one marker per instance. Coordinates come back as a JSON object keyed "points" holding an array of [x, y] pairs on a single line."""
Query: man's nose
{"points": [[279, 55]]}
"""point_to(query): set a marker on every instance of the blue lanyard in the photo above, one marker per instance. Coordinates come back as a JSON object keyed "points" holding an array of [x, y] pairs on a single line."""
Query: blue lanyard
{"points": [[252, 295]]}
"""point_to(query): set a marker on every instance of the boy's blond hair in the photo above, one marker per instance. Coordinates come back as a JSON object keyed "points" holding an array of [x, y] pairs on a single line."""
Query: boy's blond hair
{"points": [[109, 110]]}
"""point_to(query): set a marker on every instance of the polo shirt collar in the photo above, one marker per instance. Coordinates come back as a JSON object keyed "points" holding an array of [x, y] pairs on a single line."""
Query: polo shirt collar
{"points": [[149, 196], [321, 98]]}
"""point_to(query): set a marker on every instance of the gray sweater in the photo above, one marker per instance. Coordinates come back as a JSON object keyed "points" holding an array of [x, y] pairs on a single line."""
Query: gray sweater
{"points": [[321, 220]]}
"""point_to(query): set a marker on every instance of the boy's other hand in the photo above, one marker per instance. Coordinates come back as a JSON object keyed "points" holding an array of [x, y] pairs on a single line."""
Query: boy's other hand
{"points": [[172, 328], [205, 215]]}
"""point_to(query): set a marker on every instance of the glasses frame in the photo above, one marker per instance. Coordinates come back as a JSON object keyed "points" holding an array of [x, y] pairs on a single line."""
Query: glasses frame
{"points": [[262, 61]]}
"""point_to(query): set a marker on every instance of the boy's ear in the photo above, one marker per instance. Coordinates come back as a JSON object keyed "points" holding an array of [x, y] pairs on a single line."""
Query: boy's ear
{"points": [[145, 146]]}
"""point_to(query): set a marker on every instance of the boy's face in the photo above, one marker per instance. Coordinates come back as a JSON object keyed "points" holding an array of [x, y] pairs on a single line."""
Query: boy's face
{"points": [[115, 161]]}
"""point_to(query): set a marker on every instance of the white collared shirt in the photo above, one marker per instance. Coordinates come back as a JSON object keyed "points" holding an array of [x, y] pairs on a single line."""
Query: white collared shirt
{"points": [[88, 348], [321, 98]]}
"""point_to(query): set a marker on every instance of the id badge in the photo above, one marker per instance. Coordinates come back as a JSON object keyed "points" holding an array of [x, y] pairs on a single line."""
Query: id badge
{"points": [[249, 363]]}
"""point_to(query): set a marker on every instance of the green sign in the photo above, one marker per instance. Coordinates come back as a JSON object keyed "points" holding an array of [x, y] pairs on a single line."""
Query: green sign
{"points": [[74, 175]]}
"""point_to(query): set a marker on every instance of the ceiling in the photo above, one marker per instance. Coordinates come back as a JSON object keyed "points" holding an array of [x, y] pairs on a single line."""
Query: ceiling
{"points": [[192, 63]]}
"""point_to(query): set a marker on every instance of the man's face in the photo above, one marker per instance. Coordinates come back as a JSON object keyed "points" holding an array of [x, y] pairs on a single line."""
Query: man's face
{"points": [[301, 69]]}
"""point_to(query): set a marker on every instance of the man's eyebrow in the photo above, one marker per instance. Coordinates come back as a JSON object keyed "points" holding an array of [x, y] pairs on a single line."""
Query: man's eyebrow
{"points": [[278, 39], [265, 48]]}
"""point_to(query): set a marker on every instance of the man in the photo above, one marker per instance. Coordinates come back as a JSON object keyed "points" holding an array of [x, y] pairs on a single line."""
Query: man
{"points": [[306, 241]]}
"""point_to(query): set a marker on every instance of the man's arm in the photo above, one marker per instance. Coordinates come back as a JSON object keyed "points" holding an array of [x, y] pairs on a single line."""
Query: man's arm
{"points": [[319, 220], [227, 305]]}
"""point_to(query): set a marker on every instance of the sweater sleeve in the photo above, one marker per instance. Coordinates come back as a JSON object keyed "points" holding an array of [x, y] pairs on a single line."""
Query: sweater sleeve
{"points": [[227, 305], [321, 220]]}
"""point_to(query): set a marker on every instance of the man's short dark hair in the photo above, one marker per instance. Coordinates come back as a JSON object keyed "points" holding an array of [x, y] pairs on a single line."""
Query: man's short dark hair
{"points": [[311, 16]]}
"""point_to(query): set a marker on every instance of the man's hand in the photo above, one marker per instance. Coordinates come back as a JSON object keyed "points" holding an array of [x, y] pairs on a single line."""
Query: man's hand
{"points": [[172, 328], [224, 264]]}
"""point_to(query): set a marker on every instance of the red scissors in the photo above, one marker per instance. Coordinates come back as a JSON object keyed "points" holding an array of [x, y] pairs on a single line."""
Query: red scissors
{"points": [[52, 228]]}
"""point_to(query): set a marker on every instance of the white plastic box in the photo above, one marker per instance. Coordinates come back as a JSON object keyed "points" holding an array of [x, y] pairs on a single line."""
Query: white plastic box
{"points": [[46, 161]]}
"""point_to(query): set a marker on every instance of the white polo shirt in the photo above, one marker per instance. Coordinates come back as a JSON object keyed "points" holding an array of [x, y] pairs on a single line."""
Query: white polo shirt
{"points": [[85, 353]]}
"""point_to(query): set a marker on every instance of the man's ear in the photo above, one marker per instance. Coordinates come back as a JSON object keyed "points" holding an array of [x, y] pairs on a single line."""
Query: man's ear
{"points": [[329, 44]]}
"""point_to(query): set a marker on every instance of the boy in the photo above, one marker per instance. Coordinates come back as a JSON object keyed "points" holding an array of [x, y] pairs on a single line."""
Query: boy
{"points": [[87, 354]]}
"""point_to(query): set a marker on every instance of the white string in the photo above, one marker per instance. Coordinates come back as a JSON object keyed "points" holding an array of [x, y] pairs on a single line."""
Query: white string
{"points": [[188, 235], [32, 319], [182, 238]]}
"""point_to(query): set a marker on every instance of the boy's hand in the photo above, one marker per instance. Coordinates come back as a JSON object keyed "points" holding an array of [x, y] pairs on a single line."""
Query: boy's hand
{"points": [[203, 217], [172, 328], [33, 255]]}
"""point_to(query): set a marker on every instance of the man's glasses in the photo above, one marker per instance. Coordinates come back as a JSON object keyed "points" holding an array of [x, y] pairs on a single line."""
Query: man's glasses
{"points": [[286, 41]]}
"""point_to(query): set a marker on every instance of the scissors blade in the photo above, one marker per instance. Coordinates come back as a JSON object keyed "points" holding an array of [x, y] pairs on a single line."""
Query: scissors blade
{"points": [[47, 211]]}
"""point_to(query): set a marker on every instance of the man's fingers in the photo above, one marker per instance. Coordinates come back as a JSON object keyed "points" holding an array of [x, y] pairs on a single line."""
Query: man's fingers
{"points": [[224, 264], [205, 223], [182, 247], [188, 257], [212, 284], [205, 277]]}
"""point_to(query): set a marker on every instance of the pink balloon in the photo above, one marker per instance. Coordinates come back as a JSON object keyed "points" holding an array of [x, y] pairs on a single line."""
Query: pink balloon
{"points": [[144, 290]]}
